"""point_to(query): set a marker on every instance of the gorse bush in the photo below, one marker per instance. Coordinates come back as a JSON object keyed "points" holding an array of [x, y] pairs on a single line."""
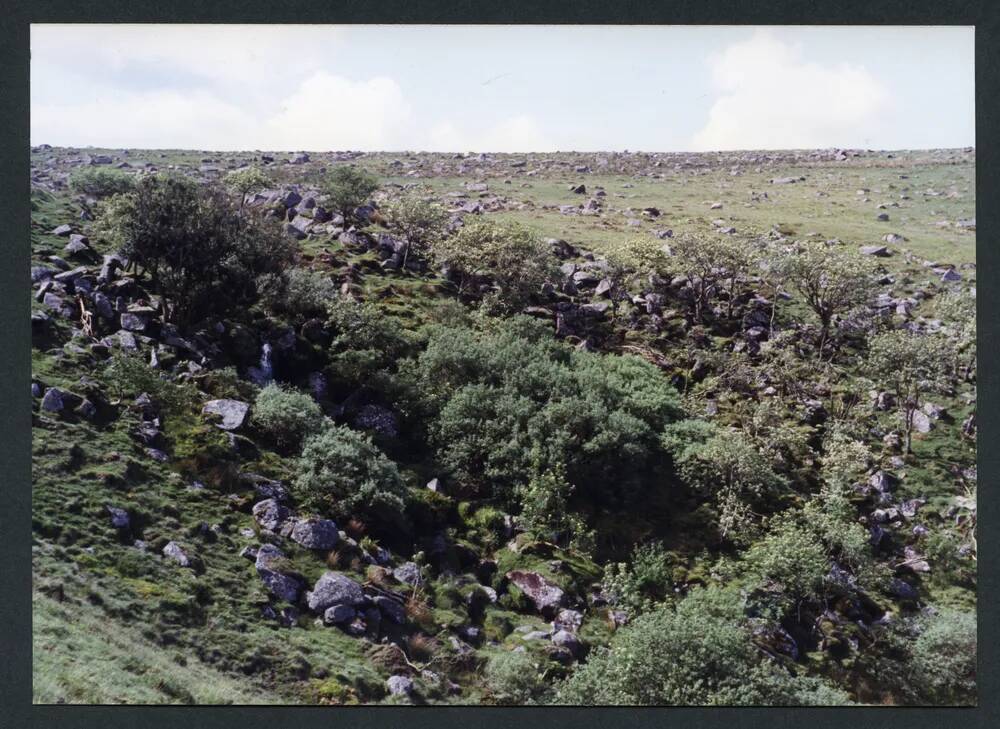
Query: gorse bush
{"points": [[511, 401], [342, 473], [100, 182], [286, 415], [697, 654]]}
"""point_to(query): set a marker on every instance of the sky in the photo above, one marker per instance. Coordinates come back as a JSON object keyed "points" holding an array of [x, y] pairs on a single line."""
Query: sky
{"points": [[501, 88]]}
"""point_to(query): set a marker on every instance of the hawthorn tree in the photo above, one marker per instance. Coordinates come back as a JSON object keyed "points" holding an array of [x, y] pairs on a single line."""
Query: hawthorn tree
{"points": [[419, 221], [349, 187], [194, 245], [246, 181], [909, 365], [832, 280]]}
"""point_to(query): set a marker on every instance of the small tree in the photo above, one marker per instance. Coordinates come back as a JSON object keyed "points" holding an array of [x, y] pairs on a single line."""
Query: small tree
{"points": [[194, 245], [419, 221], [246, 181], [349, 187], [908, 365], [832, 280], [629, 263], [515, 259], [958, 310], [545, 511]]}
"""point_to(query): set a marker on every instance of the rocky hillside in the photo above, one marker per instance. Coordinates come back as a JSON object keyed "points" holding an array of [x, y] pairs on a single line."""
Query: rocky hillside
{"points": [[571, 428]]}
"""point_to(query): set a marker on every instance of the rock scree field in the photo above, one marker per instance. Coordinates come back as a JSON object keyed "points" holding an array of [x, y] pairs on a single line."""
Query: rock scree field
{"points": [[410, 428]]}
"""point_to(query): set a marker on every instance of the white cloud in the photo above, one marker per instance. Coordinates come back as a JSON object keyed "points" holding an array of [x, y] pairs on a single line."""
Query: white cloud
{"points": [[330, 112], [165, 119], [769, 97]]}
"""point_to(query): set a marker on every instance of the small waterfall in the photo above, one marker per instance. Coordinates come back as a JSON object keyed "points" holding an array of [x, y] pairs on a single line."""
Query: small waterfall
{"points": [[264, 374]]}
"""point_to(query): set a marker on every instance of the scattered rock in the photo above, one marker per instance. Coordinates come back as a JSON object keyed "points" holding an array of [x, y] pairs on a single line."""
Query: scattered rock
{"points": [[232, 412], [334, 588]]}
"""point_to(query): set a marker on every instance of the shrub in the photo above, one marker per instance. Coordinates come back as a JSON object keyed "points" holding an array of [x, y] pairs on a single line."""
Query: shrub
{"points": [[286, 415], [831, 280], [640, 583], [943, 665], [100, 182], [721, 463], [791, 556], [302, 292], [511, 256], [341, 472], [193, 245], [245, 181], [128, 375], [908, 365], [511, 402], [366, 345], [545, 511], [349, 187], [697, 654], [516, 679], [418, 221]]}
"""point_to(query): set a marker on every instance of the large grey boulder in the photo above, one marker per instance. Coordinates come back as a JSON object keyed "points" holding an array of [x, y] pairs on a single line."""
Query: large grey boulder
{"points": [[270, 514], [119, 517], [232, 412], [339, 614], [316, 533], [334, 588], [175, 552], [53, 400], [408, 573], [546, 596], [269, 568], [400, 685]]}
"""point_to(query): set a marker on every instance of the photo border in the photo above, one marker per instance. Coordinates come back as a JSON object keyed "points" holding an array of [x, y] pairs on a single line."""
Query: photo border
{"points": [[16, 709]]}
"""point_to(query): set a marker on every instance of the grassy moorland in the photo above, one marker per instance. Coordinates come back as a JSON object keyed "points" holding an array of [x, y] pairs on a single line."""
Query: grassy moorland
{"points": [[502, 429]]}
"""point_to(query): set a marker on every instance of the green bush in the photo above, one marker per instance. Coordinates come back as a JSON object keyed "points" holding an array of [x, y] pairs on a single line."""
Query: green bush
{"points": [[286, 415], [697, 654], [943, 665], [642, 582], [100, 182], [301, 292], [342, 473], [793, 557], [516, 679], [419, 221], [723, 464], [348, 188], [129, 375], [545, 511], [510, 402], [511, 256], [192, 243], [366, 345]]}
